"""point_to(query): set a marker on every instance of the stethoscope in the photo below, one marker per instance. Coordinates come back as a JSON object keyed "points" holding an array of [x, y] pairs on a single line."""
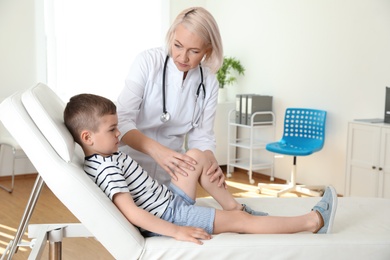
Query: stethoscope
{"points": [[166, 116]]}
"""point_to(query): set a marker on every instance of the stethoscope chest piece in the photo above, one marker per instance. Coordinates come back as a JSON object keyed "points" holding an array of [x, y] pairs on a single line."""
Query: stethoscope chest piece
{"points": [[165, 117]]}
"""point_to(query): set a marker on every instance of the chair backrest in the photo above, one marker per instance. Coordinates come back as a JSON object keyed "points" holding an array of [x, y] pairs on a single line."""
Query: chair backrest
{"points": [[34, 118], [304, 127]]}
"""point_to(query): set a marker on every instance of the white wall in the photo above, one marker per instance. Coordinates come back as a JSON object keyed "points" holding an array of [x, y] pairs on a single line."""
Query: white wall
{"points": [[17, 46]]}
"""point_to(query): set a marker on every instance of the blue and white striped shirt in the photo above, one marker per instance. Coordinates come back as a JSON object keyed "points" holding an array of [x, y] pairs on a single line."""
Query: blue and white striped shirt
{"points": [[120, 173]]}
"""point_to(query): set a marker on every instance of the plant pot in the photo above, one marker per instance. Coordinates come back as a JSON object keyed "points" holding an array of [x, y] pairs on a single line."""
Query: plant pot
{"points": [[222, 95]]}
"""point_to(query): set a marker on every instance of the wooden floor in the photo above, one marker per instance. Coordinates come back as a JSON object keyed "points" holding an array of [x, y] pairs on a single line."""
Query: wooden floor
{"points": [[50, 210]]}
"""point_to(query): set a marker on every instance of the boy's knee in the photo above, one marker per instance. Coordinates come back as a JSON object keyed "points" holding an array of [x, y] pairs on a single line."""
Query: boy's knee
{"points": [[195, 153]]}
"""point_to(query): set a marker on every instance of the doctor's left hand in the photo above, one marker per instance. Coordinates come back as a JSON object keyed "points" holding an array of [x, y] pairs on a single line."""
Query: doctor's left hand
{"points": [[215, 172]]}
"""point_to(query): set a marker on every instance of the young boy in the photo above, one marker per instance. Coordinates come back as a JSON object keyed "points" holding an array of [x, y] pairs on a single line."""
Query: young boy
{"points": [[170, 211]]}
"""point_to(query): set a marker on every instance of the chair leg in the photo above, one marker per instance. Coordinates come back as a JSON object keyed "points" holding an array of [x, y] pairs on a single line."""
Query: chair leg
{"points": [[292, 185], [315, 191], [10, 190]]}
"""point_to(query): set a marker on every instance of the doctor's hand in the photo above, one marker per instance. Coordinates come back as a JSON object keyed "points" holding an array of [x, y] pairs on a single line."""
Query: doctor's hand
{"points": [[215, 172], [173, 162]]}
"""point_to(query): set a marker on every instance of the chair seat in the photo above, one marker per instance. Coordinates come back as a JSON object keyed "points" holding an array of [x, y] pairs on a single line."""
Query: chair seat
{"points": [[291, 149]]}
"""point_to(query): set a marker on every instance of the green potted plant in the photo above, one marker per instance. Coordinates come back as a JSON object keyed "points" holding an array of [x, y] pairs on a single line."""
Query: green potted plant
{"points": [[226, 74]]}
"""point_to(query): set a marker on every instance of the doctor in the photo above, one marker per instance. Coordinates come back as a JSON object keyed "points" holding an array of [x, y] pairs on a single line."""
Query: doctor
{"points": [[170, 97]]}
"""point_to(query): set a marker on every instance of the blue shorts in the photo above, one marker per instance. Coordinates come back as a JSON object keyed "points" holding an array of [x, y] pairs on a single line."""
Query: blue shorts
{"points": [[182, 212]]}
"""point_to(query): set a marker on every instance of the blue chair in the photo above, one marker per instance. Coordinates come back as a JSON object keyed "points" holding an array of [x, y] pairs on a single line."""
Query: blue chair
{"points": [[304, 134]]}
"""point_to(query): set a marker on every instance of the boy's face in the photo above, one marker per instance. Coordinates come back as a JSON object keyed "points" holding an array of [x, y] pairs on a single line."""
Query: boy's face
{"points": [[105, 141]]}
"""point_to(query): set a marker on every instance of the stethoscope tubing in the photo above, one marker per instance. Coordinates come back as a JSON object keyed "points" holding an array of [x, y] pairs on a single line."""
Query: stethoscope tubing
{"points": [[165, 116], [163, 85]]}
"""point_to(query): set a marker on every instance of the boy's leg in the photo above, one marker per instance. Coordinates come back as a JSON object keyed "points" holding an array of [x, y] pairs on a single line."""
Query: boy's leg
{"points": [[189, 184], [319, 220], [242, 222]]}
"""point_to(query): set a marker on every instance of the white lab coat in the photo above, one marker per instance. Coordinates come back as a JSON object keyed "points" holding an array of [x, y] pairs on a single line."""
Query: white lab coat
{"points": [[140, 106]]}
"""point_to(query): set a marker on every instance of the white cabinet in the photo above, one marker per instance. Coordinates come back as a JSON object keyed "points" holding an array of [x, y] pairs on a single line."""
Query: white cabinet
{"points": [[368, 160], [221, 118], [247, 144]]}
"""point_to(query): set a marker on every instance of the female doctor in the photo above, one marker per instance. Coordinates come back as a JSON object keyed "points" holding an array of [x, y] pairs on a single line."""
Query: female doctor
{"points": [[170, 99]]}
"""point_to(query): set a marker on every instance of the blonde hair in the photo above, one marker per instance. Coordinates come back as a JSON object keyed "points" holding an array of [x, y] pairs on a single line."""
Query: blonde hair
{"points": [[198, 20]]}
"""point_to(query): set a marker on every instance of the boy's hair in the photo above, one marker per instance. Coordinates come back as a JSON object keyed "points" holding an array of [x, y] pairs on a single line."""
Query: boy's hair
{"points": [[83, 112], [198, 20]]}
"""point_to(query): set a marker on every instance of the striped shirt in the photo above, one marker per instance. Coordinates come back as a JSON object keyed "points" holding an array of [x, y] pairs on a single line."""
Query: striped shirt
{"points": [[120, 173]]}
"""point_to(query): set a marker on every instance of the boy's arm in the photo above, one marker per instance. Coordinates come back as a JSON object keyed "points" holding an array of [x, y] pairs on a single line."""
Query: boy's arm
{"points": [[145, 220]]}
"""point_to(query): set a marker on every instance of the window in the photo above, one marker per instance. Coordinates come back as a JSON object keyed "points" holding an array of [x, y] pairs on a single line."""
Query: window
{"points": [[91, 44]]}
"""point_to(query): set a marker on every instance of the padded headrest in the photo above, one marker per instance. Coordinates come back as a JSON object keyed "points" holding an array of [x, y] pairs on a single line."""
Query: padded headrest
{"points": [[46, 110]]}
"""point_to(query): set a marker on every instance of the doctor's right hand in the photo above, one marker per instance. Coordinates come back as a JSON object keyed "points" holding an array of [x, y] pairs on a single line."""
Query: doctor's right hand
{"points": [[173, 162]]}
